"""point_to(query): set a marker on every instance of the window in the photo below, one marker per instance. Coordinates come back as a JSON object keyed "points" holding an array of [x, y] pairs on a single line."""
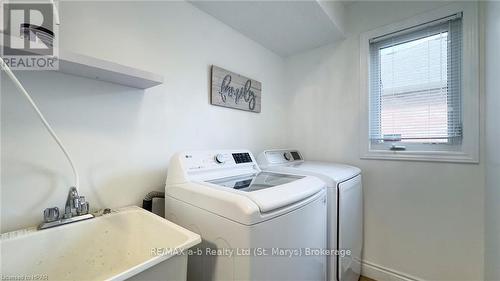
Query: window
{"points": [[415, 79], [416, 93]]}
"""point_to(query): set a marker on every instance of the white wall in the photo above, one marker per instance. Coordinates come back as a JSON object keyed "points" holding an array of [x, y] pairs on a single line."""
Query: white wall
{"points": [[422, 220], [492, 252], [122, 138]]}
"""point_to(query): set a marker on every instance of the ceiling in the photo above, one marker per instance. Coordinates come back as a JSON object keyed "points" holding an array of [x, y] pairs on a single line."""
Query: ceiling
{"points": [[284, 27]]}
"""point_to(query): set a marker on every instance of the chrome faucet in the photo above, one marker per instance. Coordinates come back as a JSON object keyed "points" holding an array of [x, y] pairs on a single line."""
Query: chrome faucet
{"points": [[76, 209], [75, 203]]}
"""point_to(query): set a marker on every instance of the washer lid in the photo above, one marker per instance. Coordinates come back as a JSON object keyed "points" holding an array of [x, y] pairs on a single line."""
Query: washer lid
{"points": [[271, 191], [257, 181]]}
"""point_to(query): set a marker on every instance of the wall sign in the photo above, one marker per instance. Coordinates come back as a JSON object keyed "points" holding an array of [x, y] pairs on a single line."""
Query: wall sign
{"points": [[235, 91]]}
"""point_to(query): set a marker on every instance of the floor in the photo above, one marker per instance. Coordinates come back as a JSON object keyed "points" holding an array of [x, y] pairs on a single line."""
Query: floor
{"points": [[362, 278]]}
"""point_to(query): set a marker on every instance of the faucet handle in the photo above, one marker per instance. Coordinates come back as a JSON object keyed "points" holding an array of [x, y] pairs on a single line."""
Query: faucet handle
{"points": [[51, 214], [83, 207]]}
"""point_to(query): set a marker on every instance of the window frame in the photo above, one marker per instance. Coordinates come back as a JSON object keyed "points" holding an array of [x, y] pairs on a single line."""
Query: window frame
{"points": [[467, 151]]}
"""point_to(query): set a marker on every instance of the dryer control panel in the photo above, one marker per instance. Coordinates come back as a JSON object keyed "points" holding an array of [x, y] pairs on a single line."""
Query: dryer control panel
{"points": [[280, 156]]}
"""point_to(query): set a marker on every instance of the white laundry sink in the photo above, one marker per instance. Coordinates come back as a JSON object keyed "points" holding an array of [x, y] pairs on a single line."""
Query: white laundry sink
{"points": [[127, 243]]}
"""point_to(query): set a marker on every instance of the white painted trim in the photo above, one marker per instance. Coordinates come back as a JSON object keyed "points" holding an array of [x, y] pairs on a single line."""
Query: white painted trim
{"points": [[428, 156], [468, 151], [381, 273]]}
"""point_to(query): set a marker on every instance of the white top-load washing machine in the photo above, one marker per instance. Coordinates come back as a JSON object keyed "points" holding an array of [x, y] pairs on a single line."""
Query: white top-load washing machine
{"points": [[254, 225], [345, 206]]}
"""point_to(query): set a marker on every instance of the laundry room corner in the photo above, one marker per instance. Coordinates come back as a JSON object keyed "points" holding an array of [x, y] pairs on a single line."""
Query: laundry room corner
{"points": [[412, 210]]}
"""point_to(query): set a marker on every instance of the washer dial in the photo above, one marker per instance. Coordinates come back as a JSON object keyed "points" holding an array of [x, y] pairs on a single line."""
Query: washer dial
{"points": [[220, 158]]}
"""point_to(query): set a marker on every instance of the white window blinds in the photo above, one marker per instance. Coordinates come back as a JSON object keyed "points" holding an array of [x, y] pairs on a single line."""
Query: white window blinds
{"points": [[415, 84]]}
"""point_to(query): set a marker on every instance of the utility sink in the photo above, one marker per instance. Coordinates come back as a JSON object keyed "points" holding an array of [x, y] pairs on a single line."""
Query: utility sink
{"points": [[129, 243]]}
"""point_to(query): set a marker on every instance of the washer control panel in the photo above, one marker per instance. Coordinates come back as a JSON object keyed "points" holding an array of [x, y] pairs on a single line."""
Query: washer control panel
{"points": [[208, 160], [243, 157]]}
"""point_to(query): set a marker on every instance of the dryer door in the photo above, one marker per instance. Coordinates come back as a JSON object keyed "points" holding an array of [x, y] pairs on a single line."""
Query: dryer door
{"points": [[350, 231]]}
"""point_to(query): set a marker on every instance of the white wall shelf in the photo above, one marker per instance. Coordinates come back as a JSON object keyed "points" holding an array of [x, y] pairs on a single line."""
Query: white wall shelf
{"points": [[103, 70]]}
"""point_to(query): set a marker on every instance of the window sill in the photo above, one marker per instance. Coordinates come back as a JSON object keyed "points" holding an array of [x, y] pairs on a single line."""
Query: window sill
{"points": [[425, 156]]}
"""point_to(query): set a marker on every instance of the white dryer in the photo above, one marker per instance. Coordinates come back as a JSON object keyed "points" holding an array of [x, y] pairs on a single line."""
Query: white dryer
{"points": [[254, 225], [345, 206]]}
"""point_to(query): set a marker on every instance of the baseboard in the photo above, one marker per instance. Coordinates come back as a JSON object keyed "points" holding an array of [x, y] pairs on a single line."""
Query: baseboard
{"points": [[380, 273]]}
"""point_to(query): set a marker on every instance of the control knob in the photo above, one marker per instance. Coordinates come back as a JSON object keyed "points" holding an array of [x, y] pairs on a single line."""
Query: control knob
{"points": [[220, 158], [288, 156]]}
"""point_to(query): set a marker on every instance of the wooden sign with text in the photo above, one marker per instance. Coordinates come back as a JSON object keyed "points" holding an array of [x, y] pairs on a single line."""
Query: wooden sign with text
{"points": [[235, 91]]}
